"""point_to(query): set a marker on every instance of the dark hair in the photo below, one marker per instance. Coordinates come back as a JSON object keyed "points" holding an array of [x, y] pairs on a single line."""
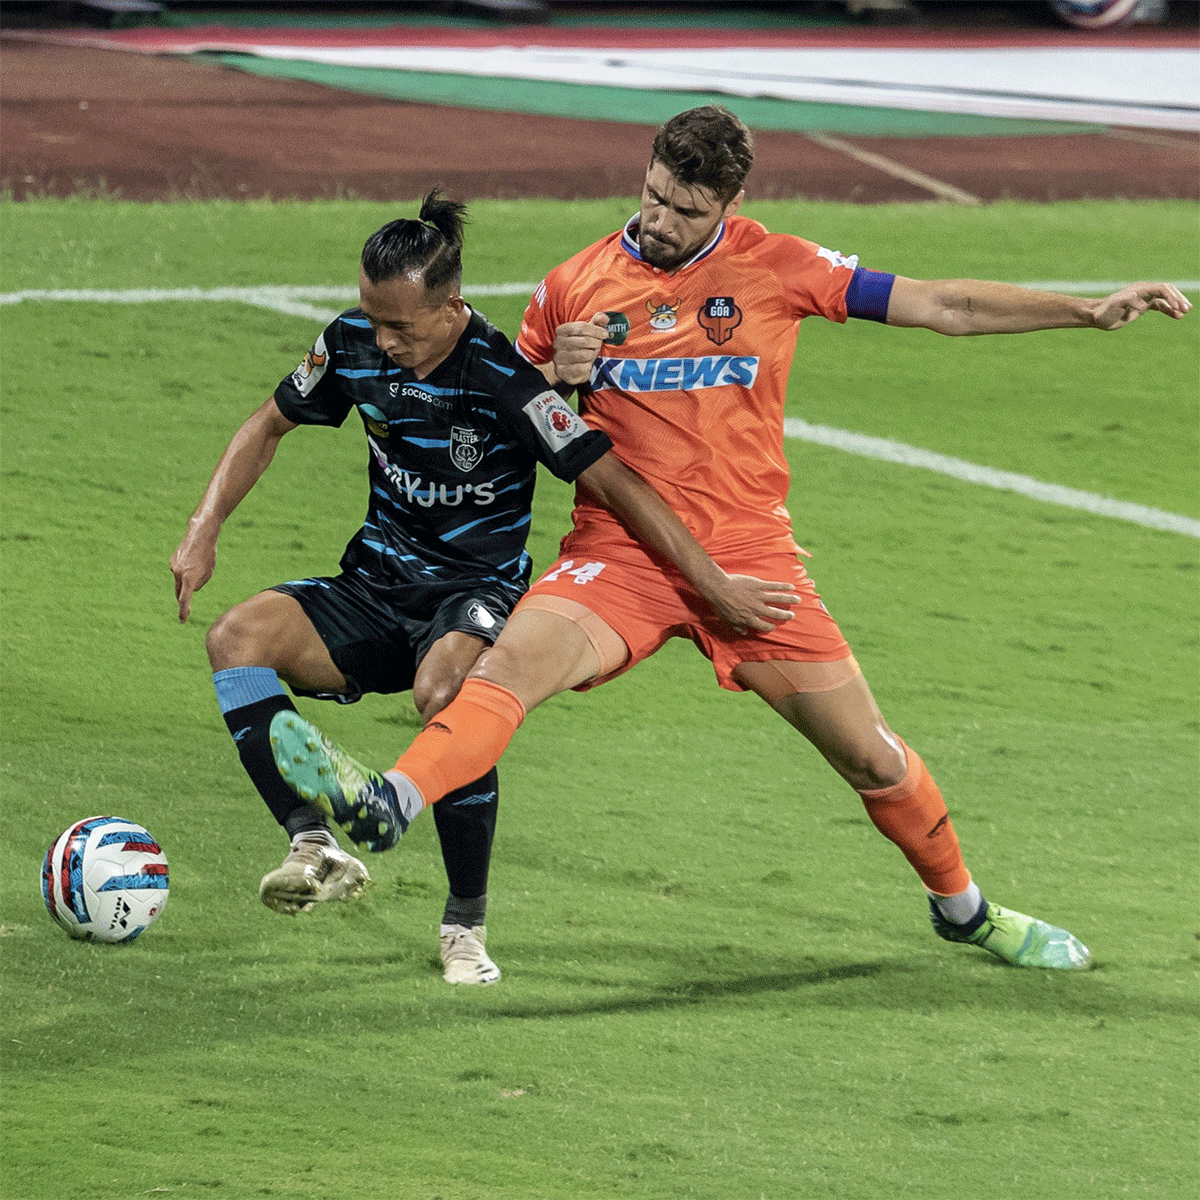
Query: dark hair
{"points": [[706, 147], [430, 245]]}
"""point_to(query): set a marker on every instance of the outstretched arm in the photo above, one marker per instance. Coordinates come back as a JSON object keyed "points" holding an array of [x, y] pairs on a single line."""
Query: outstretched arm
{"points": [[972, 306], [742, 600], [247, 456]]}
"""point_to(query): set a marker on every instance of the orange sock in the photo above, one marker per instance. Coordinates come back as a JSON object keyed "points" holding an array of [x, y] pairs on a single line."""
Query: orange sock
{"points": [[464, 741], [913, 814]]}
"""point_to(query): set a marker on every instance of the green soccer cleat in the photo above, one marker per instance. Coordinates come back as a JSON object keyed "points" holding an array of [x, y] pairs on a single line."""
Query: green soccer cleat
{"points": [[360, 800], [1018, 939]]}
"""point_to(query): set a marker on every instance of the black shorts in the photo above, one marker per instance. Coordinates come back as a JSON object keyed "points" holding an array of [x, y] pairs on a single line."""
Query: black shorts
{"points": [[377, 636]]}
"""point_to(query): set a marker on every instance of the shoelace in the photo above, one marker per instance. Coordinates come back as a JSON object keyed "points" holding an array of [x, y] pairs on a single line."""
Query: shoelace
{"points": [[462, 945]]}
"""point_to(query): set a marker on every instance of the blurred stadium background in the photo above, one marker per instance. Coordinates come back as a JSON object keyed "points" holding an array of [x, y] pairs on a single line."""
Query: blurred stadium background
{"points": [[860, 100]]}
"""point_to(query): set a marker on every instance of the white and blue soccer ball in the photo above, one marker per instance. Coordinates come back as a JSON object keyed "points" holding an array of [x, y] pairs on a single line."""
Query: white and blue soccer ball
{"points": [[1096, 14], [105, 879]]}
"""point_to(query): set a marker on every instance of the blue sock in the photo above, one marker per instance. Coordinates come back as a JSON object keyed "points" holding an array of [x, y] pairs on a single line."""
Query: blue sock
{"points": [[248, 698]]}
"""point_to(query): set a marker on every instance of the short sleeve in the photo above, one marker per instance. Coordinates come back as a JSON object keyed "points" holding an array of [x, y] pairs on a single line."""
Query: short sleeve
{"points": [[535, 342], [819, 282], [562, 441], [311, 395], [542, 421]]}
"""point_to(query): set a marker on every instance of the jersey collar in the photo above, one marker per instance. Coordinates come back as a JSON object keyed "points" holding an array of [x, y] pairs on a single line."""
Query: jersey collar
{"points": [[629, 244]]}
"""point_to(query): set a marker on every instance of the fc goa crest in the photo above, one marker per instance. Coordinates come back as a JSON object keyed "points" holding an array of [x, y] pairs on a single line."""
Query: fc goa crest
{"points": [[719, 317], [466, 447]]}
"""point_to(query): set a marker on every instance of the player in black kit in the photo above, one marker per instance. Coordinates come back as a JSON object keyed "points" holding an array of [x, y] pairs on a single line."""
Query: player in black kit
{"points": [[456, 423]]}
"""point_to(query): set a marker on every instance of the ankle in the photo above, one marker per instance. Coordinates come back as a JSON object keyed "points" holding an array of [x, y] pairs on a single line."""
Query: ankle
{"points": [[467, 912], [307, 819], [315, 837], [963, 908]]}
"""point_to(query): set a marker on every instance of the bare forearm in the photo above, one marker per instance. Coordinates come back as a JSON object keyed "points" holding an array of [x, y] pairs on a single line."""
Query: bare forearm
{"points": [[245, 459], [1003, 308], [961, 307], [550, 373], [743, 601], [649, 519], [240, 467]]}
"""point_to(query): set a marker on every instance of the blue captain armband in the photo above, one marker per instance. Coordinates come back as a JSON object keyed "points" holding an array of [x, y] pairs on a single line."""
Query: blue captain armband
{"points": [[868, 294]]}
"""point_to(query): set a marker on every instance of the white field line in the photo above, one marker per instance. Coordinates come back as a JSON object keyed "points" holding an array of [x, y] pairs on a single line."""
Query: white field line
{"points": [[889, 166], [266, 296], [293, 302], [1005, 481]]}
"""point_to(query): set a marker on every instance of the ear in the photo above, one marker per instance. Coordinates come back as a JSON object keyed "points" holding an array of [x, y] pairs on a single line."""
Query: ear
{"points": [[733, 205]]}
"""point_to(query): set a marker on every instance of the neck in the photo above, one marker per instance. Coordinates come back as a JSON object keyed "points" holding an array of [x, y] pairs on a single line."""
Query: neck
{"points": [[456, 331]]}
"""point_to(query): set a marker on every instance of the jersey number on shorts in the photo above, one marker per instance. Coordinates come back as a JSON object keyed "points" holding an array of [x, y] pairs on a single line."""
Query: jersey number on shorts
{"points": [[584, 574]]}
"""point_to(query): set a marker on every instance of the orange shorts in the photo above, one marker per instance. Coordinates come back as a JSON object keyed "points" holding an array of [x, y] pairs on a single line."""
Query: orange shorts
{"points": [[646, 603]]}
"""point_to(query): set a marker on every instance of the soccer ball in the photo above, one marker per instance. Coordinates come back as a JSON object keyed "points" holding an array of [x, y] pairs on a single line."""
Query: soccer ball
{"points": [[1096, 14], [105, 879]]}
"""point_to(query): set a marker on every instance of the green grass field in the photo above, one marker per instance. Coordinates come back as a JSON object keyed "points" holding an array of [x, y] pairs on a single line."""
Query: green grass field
{"points": [[719, 980]]}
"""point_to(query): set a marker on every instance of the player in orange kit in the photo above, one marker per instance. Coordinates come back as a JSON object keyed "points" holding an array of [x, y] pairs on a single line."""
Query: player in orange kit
{"points": [[680, 332]]}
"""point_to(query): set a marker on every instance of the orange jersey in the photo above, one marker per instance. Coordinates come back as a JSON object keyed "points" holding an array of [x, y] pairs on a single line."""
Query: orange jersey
{"points": [[690, 386]]}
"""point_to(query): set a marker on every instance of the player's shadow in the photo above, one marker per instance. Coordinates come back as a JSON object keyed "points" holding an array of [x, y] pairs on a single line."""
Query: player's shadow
{"points": [[623, 976], [695, 992], [961, 978]]}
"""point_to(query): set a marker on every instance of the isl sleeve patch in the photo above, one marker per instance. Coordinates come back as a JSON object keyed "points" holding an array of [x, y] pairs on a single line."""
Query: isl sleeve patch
{"points": [[556, 422]]}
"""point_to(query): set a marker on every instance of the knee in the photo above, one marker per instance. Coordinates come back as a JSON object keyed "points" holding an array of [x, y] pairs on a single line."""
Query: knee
{"points": [[431, 696], [874, 768], [235, 639], [498, 665]]}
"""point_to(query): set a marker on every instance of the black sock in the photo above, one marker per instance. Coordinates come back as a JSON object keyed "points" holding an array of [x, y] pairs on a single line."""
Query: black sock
{"points": [[250, 726], [466, 825], [468, 913]]}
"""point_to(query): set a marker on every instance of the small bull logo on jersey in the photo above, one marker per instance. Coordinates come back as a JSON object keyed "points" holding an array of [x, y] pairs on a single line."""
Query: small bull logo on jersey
{"points": [[664, 316], [719, 317]]}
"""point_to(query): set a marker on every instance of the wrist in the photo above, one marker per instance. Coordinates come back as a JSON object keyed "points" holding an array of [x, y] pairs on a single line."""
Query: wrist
{"points": [[204, 524], [705, 576], [1090, 313]]}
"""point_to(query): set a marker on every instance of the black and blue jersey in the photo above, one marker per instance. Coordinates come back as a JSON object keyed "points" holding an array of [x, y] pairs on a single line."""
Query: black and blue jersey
{"points": [[452, 458]]}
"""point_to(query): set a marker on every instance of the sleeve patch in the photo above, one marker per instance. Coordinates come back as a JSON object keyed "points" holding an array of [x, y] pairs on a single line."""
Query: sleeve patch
{"points": [[308, 374], [555, 420], [836, 258], [868, 294]]}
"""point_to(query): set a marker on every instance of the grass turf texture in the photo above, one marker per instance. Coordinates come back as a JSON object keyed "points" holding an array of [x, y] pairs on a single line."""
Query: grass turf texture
{"points": [[719, 980]]}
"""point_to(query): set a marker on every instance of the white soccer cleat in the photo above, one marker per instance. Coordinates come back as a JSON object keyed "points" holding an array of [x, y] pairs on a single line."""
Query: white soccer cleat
{"points": [[463, 955], [315, 869]]}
